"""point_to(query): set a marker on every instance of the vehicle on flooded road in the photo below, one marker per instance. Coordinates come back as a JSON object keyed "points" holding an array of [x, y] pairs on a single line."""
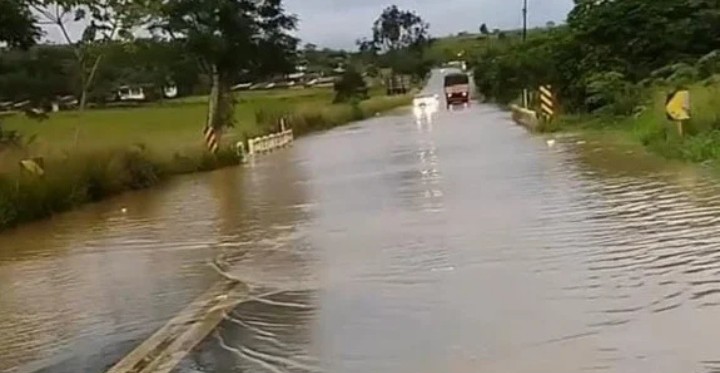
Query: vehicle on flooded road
{"points": [[457, 89], [426, 103], [425, 106]]}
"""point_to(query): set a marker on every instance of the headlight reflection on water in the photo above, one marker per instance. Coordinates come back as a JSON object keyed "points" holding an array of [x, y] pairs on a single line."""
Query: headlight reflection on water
{"points": [[424, 110]]}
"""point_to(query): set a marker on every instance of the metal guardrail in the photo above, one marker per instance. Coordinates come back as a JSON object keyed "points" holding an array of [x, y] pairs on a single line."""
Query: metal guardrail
{"points": [[265, 144]]}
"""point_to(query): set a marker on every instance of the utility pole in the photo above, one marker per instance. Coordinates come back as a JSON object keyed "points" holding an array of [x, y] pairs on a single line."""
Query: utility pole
{"points": [[525, 99], [525, 12]]}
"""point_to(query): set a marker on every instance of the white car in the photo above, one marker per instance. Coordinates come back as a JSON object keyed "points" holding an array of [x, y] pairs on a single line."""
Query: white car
{"points": [[425, 101], [425, 104]]}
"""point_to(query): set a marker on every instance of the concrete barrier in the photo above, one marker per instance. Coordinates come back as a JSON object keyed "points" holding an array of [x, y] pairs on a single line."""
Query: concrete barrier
{"points": [[525, 117], [265, 144]]}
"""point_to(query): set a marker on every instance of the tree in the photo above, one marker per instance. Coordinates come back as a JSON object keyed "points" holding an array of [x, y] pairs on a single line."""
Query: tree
{"points": [[484, 29], [231, 38], [397, 29], [351, 86], [108, 20], [400, 37], [39, 74], [550, 24], [635, 37], [17, 24]]}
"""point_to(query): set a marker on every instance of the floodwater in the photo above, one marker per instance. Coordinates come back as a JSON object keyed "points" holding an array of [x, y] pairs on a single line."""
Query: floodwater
{"points": [[461, 244]]}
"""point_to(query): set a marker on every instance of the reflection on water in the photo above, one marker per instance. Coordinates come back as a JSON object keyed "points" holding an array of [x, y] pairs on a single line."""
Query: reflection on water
{"points": [[389, 246], [81, 290]]}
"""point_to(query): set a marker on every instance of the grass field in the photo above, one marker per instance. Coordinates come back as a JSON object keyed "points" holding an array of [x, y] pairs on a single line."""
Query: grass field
{"points": [[166, 126], [97, 153]]}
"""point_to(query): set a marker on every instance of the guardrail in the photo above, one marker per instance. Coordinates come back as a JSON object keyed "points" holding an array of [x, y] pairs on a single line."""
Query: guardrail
{"points": [[265, 144], [525, 117]]}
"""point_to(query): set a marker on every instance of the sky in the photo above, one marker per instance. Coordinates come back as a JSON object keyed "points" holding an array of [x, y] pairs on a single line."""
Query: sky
{"points": [[339, 23]]}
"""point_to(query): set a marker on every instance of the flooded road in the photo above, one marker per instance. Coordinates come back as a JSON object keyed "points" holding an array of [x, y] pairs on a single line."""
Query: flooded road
{"points": [[458, 245]]}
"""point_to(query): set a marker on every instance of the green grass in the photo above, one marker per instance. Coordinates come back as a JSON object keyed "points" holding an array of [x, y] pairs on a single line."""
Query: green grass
{"points": [[98, 153], [165, 127], [651, 128]]}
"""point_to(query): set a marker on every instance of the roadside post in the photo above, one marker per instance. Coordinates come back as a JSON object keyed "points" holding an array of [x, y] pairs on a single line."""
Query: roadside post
{"points": [[677, 108], [547, 103], [212, 139]]}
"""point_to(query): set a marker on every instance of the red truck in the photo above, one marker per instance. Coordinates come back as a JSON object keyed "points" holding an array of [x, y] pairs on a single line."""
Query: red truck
{"points": [[457, 89]]}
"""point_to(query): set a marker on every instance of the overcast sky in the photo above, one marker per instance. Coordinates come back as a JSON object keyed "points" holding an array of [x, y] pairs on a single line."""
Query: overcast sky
{"points": [[339, 23]]}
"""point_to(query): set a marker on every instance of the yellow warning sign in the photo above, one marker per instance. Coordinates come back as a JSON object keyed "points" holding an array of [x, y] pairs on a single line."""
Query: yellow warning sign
{"points": [[677, 105]]}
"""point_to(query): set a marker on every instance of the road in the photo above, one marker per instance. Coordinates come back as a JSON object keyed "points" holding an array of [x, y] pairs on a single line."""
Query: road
{"points": [[463, 244]]}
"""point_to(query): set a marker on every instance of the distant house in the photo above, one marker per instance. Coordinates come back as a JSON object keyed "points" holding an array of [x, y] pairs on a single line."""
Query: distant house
{"points": [[241, 87], [144, 92], [129, 93]]}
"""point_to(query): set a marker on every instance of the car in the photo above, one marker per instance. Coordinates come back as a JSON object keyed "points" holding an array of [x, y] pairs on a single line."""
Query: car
{"points": [[425, 104], [425, 100], [457, 89]]}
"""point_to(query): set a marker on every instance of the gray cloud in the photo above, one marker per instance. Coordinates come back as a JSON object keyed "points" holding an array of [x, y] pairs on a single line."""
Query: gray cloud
{"points": [[338, 23]]}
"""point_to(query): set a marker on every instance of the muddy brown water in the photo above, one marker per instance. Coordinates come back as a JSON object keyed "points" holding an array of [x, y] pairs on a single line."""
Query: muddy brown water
{"points": [[460, 245]]}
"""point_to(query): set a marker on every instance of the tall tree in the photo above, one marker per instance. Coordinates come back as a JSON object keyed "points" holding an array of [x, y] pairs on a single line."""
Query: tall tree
{"points": [[231, 38], [17, 24], [104, 20], [401, 36], [397, 29], [636, 37], [484, 29]]}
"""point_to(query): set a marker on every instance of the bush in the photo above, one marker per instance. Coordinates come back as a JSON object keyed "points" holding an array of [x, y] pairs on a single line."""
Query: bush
{"points": [[9, 138], [709, 64], [610, 93], [679, 73], [351, 87], [91, 177]]}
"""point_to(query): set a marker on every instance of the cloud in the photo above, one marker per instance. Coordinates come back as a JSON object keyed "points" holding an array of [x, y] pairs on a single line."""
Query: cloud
{"points": [[338, 23]]}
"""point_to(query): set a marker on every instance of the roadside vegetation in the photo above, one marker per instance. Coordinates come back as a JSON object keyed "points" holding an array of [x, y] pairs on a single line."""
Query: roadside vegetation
{"points": [[97, 153], [237, 74], [611, 68]]}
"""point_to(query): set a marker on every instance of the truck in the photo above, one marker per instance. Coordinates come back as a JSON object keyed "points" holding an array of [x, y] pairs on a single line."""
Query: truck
{"points": [[457, 89], [397, 84]]}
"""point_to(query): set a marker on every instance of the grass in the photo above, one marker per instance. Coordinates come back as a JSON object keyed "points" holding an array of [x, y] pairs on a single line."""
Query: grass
{"points": [[98, 153], [651, 128], [165, 127]]}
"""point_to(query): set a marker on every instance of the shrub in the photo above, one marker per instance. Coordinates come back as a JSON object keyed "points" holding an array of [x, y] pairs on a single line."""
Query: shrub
{"points": [[9, 138], [351, 87], [610, 93], [709, 64]]}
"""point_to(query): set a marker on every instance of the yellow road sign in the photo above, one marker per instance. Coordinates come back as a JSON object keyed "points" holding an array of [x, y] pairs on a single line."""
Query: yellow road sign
{"points": [[677, 105]]}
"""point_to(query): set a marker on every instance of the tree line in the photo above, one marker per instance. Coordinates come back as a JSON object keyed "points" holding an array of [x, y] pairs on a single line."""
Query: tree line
{"points": [[606, 53], [197, 46], [223, 39]]}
